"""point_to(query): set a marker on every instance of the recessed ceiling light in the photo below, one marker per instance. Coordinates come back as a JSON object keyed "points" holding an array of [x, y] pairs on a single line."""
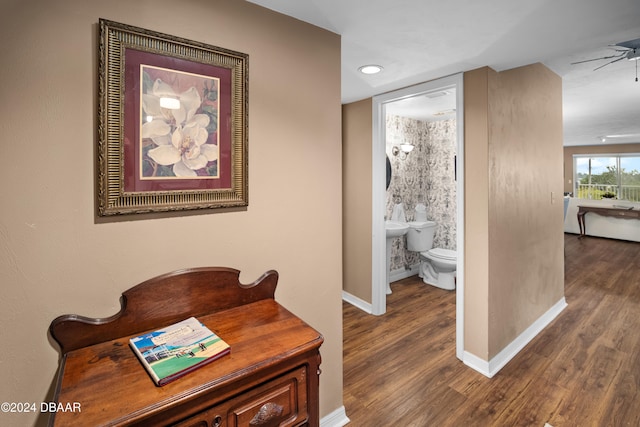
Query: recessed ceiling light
{"points": [[624, 135], [370, 69], [619, 136], [444, 112], [438, 94]]}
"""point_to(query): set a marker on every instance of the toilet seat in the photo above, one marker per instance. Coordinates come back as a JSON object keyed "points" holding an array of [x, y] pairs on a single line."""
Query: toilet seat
{"points": [[443, 254]]}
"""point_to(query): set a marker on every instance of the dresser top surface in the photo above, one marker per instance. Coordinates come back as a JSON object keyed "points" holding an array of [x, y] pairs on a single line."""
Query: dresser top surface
{"points": [[110, 383]]}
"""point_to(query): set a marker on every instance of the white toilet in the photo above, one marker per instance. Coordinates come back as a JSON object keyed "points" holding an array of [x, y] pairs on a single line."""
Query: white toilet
{"points": [[437, 266]]}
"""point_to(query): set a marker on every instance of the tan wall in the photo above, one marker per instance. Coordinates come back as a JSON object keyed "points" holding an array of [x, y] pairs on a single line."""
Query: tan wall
{"points": [[513, 232], [357, 169], [513, 163], [525, 200], [591, 149], [476, 200], [55, 258]]}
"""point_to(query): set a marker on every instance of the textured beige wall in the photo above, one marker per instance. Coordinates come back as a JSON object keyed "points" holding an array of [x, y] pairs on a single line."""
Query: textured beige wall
{"points": [[55, 258], [514, 265], [526, 262], [357, 140], [476, 199], [591, 149]]}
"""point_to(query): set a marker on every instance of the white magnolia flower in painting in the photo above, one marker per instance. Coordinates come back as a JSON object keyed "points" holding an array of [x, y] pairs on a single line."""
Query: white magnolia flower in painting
{"points": [[188, 150], [180, 134]]}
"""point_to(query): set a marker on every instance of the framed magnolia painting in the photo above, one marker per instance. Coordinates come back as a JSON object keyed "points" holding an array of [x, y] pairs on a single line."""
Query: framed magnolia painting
{"points": [[172, 123]]}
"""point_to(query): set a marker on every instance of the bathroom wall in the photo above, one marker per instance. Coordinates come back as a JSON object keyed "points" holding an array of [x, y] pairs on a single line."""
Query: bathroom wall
{"points": [[426, 175]]}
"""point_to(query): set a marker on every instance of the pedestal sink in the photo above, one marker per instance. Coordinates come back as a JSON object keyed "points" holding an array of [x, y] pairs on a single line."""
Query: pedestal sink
{"points": [[394, 229]]}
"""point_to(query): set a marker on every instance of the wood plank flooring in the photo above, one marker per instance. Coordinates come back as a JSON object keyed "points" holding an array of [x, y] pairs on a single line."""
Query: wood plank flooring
{"points": [[400, 369]]}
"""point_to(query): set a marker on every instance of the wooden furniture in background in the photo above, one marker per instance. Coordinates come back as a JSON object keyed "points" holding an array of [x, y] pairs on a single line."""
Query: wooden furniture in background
{"points": [[269, 379], [624, 213]]}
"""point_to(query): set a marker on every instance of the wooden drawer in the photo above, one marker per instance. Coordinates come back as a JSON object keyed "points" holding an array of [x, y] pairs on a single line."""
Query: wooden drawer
{"points": [[279, 402]]}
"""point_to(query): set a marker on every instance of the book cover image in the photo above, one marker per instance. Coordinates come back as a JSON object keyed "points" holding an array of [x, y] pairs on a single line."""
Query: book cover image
{"points": [[171, 352]]}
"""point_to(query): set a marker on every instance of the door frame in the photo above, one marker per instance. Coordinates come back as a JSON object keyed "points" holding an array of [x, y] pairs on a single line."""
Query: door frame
{"points": [[378, 233]]}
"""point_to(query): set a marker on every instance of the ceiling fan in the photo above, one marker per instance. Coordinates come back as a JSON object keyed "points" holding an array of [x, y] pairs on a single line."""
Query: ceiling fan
{"points": [[624, 50]]}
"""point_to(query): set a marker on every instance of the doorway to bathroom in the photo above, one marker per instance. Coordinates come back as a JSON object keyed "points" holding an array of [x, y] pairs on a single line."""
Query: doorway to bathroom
{"points": [[427, 102]]}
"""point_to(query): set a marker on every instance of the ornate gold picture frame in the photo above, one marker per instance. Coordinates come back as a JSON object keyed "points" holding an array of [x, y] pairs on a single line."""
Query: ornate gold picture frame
{"points": [[173, 125]]}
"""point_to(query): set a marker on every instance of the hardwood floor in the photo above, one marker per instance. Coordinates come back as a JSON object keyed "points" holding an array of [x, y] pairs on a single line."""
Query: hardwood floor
{"points": [[400, 369]]}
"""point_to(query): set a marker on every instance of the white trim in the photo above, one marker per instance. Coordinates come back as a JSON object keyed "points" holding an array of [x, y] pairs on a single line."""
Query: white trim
{"points": [[357, 302], [459, 81], [337, 418], [378, 234], [477, 364], [378, 196], [490, 368]]}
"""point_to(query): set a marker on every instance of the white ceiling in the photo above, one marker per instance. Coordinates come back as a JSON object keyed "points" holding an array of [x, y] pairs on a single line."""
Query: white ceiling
{"points": [[420, 40]]}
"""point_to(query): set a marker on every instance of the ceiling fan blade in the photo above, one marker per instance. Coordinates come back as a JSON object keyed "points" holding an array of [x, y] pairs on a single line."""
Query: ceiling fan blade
{"points": [[599, 59], [615, 60]]}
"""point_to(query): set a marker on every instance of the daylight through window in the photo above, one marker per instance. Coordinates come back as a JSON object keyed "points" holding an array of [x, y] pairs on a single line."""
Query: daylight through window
{"points": [[613, 176]]}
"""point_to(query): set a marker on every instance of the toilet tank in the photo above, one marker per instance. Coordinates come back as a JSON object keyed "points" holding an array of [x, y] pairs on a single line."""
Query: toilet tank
{"points": [[420, 213], [420, 236]]}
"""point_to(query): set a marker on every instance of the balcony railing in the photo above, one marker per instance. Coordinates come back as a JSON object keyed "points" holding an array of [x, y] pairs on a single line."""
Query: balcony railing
{"points": [[596, 191]]}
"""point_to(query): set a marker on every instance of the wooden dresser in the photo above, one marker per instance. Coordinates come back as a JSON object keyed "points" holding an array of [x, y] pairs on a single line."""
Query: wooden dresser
{"points": [[270, 378]]}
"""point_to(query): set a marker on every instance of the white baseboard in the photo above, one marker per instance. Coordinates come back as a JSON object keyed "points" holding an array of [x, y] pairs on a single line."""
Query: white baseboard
{"points": [[337, 418], [403, 273], [492, 367], [393, 276], [357, 302]]}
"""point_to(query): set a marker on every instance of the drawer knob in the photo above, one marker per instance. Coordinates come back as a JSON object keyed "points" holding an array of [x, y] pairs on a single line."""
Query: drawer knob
{"points": [[267, 412], [217, 421]]}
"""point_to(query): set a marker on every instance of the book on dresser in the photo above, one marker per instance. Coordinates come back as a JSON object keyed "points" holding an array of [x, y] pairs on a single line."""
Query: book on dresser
{"points": [[171, 352]]}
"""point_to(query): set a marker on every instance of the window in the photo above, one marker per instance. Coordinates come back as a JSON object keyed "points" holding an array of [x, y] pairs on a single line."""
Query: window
{"points": [[614, 176]]}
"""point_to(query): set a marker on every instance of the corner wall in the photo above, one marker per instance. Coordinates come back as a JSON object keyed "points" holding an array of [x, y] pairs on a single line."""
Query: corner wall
{"points": [[357, 134], [526, 210], [476, 219], [57, 258], [514, 236]]}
